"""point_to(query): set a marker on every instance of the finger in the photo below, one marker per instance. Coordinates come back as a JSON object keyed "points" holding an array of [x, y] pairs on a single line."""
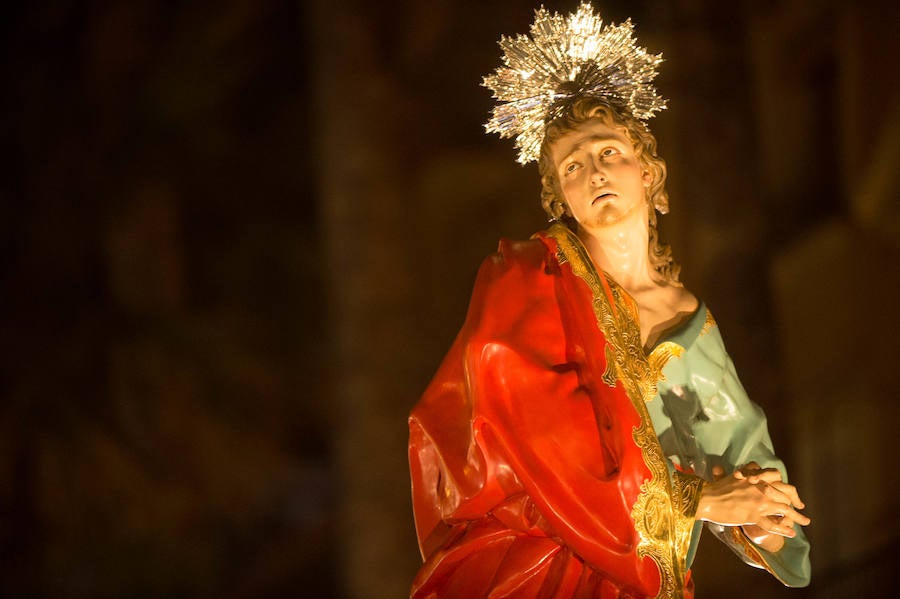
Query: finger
{"points": [[768, 475], [775, 494], [765, 473], [791, 492], [783, 509], [718, 472], [750, 468], [782, 527], [782, 493], [784, 521]]}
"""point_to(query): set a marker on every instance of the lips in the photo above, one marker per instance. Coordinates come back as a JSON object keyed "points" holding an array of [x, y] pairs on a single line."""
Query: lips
{"points": [[604, 196]]}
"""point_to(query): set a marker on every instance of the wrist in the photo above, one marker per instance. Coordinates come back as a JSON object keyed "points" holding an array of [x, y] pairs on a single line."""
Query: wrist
{"points": [[771, 542], [702, 503]]}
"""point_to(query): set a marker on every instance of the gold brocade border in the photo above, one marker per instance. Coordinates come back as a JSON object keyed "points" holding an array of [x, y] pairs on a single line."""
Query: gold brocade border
{"points": [[708, 324], [751, 551], [686, 490], [653, 512]]}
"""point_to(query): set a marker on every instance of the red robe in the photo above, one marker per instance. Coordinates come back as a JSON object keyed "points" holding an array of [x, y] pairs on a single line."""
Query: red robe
{"points": [[535, 469]]}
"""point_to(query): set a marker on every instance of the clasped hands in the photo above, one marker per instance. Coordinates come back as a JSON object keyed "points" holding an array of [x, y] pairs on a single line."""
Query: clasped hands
{"points": [[758, 500]]}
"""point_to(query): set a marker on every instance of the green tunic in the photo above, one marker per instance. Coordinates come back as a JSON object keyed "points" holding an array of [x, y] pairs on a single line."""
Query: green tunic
{"points": [[703, 418]]}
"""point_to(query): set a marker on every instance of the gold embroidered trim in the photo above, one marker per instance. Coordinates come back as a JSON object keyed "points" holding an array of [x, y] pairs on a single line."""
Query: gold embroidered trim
{"points": [[686, 490], [649, 371], [653, 512], [708, 324], [751, 551], [656, 361], [609, 375]]}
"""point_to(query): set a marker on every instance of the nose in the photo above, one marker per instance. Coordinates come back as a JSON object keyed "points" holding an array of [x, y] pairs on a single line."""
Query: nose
{"points": [[598, 175]]}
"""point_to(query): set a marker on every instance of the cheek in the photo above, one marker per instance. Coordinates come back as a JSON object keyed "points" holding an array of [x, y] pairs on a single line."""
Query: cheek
{"points": [[569, 190], [634, 172]]}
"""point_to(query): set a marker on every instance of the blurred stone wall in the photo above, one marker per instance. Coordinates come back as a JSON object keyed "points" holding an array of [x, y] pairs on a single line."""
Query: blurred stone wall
{"points": [[165, 414], [835, 290]]}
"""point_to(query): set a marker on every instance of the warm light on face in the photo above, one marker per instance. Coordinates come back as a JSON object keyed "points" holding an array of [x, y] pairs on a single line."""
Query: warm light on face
{"points": [[602, 180]]}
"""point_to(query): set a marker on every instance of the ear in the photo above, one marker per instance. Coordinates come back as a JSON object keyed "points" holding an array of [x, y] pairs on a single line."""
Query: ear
{"points": [[647, 178]]}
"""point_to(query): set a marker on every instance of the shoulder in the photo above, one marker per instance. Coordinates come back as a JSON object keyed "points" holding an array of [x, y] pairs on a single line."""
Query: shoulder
{"points": [[675, 298], [518, 259], [518, 279], [685, 300], [531, 253]]}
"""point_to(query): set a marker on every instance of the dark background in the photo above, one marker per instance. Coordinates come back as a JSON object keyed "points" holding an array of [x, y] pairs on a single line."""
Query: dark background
{"points": [[238, 237]]}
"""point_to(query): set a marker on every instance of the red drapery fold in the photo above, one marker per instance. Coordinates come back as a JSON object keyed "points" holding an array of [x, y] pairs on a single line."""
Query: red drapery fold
{"points": [[524, 469]]}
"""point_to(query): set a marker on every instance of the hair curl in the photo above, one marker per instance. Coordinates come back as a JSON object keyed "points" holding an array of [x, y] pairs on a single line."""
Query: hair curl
{"points": [[585, 109]]}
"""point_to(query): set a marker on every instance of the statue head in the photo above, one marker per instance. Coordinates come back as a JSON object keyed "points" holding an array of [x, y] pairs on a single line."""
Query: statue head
{"points": [[570, 118]]}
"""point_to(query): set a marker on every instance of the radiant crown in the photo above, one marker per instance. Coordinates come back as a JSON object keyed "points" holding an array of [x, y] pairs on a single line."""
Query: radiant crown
{"points": [[566, 58]]}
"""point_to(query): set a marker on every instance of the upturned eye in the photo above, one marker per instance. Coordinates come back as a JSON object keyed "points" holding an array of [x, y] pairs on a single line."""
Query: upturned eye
{"points": [[572, 167], [608, 152]]}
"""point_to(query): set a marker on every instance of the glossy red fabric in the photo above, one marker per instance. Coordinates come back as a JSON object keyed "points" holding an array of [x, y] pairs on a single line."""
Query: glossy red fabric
{"points": [[523, 466]]}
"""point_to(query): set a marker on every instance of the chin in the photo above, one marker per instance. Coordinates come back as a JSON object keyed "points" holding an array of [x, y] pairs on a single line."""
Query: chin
{"points": [[609, 220]]}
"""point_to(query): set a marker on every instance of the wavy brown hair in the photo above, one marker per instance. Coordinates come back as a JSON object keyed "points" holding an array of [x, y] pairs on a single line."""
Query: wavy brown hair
{"points": [[585, 109]]}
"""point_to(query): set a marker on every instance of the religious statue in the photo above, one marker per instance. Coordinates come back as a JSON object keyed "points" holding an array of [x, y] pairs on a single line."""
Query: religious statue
{"points": [[587, 420]]}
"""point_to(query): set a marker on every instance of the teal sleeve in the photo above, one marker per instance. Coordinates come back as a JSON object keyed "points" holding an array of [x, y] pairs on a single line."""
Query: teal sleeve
{"points": [[736, 433], [727, 430]]}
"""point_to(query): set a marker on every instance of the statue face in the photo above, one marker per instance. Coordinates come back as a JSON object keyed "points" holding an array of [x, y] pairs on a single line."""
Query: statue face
{"points": [[602, 180]]}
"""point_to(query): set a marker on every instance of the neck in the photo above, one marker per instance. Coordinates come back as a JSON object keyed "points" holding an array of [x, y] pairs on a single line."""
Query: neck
{"points": [[621, 250]]}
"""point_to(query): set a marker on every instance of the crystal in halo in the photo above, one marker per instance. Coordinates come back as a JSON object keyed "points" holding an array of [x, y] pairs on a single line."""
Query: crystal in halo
{"points": [[563, 59]]}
